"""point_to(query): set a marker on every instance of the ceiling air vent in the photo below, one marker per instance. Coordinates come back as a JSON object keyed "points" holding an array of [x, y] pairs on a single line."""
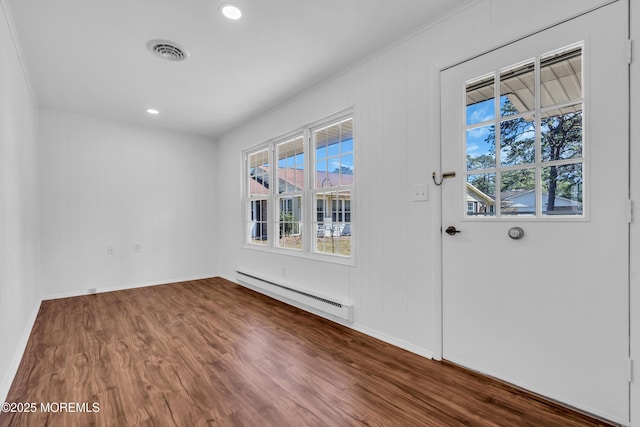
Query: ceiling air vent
{"points": [[167, 50]]}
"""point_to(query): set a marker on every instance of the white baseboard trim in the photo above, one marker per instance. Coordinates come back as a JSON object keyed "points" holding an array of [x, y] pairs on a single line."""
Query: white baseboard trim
{"points": [[360, 328], [309, 300], [127, 286], [389, 339], [289, 301], [12, 369]]}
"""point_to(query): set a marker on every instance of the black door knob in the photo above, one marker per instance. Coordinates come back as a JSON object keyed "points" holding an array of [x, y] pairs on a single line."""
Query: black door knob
{"points": [[451, 230]]}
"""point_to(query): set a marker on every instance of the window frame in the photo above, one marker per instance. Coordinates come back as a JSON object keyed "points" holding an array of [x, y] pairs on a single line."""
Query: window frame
{"points": [[539, 163], [283, 196], [336, 190], [250, 198], [307, 199]]}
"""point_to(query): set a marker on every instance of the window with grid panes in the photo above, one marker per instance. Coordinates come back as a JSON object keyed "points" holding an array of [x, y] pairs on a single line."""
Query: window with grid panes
{"points": [[332, 192], [291, 185], [314, 165], [258, 191], [524, 138]]}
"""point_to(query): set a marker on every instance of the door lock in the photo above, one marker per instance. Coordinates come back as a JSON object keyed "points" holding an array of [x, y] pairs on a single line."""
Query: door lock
{"points": [[451, 230], [516, 233]]}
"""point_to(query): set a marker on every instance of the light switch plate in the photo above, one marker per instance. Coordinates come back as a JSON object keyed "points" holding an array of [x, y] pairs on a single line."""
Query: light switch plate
{"points": [[420, 192]]}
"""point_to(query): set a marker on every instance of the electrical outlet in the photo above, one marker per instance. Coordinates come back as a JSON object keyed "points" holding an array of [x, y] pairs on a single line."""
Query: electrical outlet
{"points": [[137, 248], [92, 290], [111, 250]]}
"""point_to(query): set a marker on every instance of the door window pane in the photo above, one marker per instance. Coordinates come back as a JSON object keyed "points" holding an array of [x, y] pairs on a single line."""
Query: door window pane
{"points": [[480, 100], [517, 90], [480, 194], [562, 190], [517, 192], [517, 141], [538, 152], [561, 134], [481, 148], [561, 77]]}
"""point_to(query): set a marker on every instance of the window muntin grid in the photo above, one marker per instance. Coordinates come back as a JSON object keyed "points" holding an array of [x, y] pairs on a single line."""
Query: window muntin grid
{"points": [[525, 153], [287, 179]]}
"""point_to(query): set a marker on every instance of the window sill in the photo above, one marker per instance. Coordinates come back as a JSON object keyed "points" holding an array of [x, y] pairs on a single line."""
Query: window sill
{"points": [[350, 262]]}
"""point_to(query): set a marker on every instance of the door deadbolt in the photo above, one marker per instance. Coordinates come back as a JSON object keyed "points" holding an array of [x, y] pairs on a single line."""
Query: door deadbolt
{"points": [[451, 230]]}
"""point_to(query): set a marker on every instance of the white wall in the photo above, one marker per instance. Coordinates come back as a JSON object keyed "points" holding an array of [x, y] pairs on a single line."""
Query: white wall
{"points": [[395, 284], [19, 236], [107, 183]]}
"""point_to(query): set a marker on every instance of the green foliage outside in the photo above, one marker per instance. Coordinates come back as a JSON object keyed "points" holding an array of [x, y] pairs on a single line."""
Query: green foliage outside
{"points": [[561, 138], [289, 224]]}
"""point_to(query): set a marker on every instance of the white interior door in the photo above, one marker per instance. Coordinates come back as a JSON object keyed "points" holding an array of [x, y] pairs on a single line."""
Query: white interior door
{"points": [[537, 135]]}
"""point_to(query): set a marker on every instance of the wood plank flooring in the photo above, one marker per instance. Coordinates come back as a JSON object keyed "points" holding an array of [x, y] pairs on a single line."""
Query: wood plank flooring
{"points": [[210, 352]]}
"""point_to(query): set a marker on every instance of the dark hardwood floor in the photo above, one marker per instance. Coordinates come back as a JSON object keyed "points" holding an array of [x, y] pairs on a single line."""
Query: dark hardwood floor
{"points": [[210, 352]]}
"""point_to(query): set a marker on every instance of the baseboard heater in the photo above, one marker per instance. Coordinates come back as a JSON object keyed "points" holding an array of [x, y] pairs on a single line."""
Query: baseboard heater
{"points": [[317, 304]]}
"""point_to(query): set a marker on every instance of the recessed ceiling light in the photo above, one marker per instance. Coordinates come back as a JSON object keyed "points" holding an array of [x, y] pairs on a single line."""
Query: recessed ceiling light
{"points": [[153, 111], [231, 11]]}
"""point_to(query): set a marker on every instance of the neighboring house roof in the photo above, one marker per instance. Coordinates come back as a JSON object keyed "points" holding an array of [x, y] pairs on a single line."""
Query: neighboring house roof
{"points": [[256, 187], [519, 200], [332, 179], [474, 194], [293, 180], [519, 195], [508, 195]]}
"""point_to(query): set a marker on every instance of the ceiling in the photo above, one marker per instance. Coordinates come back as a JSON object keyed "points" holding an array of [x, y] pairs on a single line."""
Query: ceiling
{"points": [[91, 57]]}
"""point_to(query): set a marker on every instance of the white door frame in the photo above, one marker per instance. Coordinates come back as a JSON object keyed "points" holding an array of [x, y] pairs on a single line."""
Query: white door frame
{"points": [[437, 294], [437, 304], [634, 187]]}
